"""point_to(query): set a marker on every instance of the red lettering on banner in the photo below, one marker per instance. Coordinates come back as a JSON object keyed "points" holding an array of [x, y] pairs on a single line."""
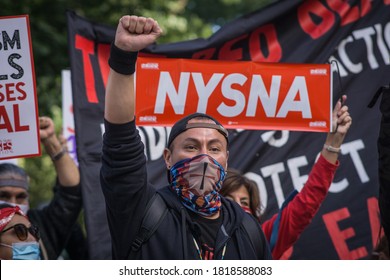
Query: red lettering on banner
{"points": [[21, 91], [228, 53], [347, 13], [340, 236], [373, 215], [103, 55], [311, 12], [87, 48], [204, 54], [9, 94], [273, 45], [365, 7], [374, 218], [7, 123], [5, 145], [18, 126]]}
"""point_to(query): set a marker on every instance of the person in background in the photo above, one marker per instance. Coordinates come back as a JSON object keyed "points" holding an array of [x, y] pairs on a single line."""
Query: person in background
{"points": [[299, 209], [242, 190], [384, 162], [381, 250], [19, 239], [56, 219], [76, 247]]}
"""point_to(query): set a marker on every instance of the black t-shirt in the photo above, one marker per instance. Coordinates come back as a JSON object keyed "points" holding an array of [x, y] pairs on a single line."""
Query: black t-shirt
{"points": [[205, 239]]}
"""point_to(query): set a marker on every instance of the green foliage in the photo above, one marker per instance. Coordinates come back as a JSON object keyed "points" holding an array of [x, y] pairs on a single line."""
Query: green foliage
{"points": [[180, 20]]}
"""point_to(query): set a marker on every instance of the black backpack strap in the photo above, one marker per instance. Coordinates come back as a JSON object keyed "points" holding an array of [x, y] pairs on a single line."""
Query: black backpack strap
{"points": [[276, 223], [253, 230], [154, 215], [377, 94]]}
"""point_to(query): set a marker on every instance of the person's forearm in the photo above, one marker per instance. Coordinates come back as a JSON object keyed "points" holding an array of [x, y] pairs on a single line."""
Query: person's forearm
{"points": [[119, 104], [67, 171], [133, 34], [330, 154]]}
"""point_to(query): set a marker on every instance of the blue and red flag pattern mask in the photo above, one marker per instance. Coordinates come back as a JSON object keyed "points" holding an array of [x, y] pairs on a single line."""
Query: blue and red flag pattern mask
{"points": [[197, 182]]}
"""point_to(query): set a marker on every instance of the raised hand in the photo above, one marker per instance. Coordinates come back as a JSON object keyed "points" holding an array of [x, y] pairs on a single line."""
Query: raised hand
{"points": [[342, 121], [46, 128], [134, 33]]}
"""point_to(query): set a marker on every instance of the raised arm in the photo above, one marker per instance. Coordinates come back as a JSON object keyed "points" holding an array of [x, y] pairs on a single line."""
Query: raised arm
{"points": [[298, 214], [123, 175], [132, 35], [59, 216], [342, 122], [67, 171]]}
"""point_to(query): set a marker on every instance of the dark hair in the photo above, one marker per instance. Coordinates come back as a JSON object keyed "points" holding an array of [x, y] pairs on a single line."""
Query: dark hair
{"points": [[10, 170], [13, 175], [235, 180], [381, 251]]}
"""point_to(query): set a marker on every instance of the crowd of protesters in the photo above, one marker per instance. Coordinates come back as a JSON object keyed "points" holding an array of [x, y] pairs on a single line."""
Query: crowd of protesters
{"points": [[207, 210]]}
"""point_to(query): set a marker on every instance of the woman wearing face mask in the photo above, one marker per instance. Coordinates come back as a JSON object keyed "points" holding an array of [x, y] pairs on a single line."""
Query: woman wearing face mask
{"points": [[283, 229], [19, 239]]}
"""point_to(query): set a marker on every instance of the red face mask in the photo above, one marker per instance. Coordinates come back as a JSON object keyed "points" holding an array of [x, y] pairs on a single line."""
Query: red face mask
{"points": [[247, 209]]}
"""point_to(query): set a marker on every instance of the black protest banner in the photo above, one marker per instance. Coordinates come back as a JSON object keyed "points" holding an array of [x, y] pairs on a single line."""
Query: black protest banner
{"points": [[355, 35]]}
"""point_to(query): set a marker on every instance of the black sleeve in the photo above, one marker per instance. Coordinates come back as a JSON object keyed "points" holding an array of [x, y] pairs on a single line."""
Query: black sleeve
{"points": [[384, 163], [123, 179], [56, 219]]}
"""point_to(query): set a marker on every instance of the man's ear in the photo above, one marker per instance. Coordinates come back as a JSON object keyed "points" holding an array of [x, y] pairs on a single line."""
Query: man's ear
{"points": [[227, 159], [167, 158]]}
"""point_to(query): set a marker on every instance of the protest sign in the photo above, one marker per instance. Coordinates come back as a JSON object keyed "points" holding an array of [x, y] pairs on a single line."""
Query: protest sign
{"points": [[19, 129], [67, 115], [244, 95]]}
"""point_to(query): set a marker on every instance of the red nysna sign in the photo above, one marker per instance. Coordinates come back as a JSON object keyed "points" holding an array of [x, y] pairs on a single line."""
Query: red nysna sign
{"points": [[243, 95]]}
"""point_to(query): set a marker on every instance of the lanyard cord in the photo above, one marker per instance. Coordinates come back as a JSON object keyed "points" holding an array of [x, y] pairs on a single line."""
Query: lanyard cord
{"points": [[223, 252], [197, 248], [200, 252]]}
